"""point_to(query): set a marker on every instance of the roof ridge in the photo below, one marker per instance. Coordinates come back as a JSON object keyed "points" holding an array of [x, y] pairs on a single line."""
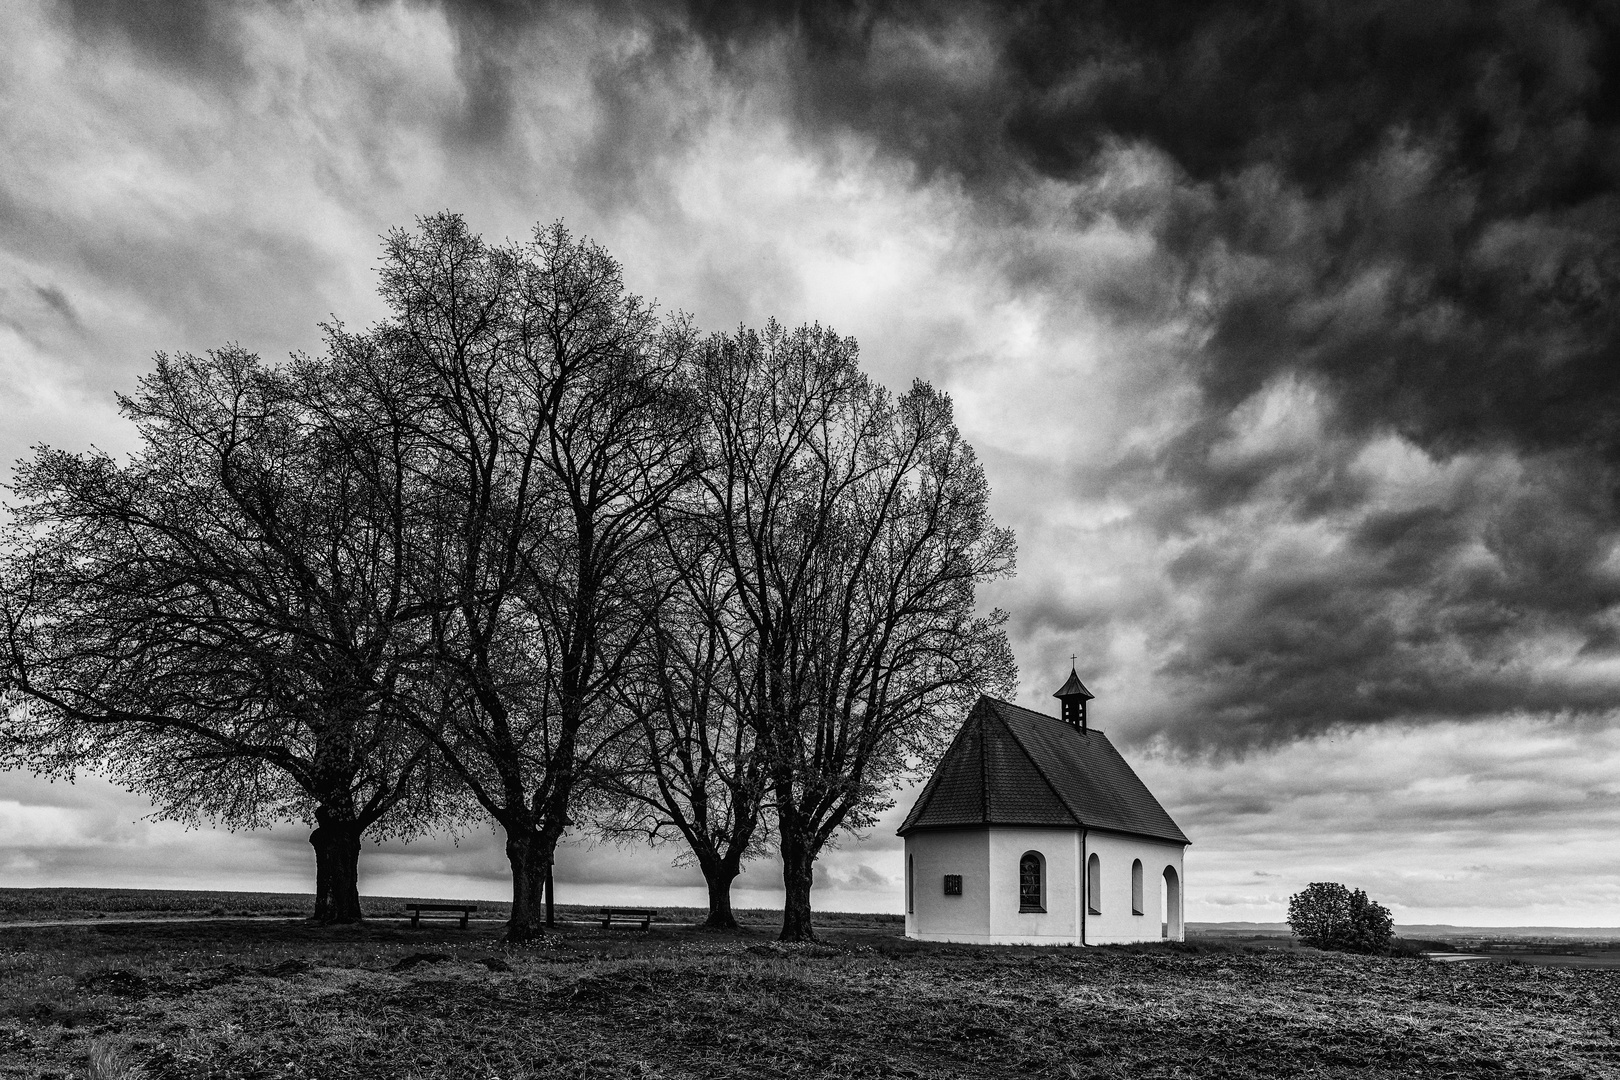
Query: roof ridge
{"points": [[1048, 716], [984, 764], [1020, 708], [1036, 765], [1043, 716]]}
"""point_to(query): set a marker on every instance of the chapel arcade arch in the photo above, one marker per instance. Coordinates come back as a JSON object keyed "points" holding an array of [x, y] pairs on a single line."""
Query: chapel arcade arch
{"points": [[1171, 907]]}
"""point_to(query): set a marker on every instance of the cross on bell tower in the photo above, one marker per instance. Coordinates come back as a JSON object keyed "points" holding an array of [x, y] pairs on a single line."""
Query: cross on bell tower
{"points": [[1074, 696]]}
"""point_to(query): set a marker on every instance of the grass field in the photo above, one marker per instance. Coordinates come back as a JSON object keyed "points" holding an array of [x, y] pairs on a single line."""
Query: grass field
{"points": [[268, 997]]}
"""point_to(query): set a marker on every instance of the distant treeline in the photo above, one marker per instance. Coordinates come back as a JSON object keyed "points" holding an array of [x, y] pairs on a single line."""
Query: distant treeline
{"points": [[523, 550]]}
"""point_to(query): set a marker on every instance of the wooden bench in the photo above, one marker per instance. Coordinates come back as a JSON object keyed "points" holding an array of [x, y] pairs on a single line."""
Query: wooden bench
{"points": [[610, 916], [417, 909]]}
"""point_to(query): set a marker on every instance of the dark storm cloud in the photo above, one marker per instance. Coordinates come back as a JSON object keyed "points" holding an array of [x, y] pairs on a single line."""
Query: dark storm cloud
{"points": [[1411, 208], [484, 54], [1408, 210], [1416, 203], [1324, 578], [36, 312], [58, 302], [193, 36], [1466, 155], [222, 279]]}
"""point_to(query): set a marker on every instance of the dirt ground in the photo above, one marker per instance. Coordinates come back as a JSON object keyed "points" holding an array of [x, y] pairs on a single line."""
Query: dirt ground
{"points": [[277, 998]]}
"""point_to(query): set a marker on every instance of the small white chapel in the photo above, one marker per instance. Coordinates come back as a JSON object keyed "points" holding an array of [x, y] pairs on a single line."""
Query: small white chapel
{"points": [[1033, 830]]}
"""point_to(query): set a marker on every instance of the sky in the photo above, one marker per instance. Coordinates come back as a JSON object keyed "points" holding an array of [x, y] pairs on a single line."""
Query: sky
{"points": [[1286, 333]]}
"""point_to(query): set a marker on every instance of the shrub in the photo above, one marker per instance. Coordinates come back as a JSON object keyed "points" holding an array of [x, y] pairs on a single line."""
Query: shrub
{"points": [[1326, 915]]}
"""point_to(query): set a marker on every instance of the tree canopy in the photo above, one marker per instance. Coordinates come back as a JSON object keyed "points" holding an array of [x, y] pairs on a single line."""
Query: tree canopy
{"points": [[222, 623], [522, 545], [854, 527], [1327, 915]]}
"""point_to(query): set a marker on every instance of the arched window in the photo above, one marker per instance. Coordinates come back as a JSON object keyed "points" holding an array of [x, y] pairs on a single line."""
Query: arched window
{"points": [[1136, 887], [911, 884], [1031, 882], [1094, 885]]}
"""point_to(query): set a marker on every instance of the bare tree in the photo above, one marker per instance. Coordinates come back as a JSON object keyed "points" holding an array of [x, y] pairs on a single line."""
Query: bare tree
{"points": [[691, 767], [555, 411], [855, 528], [221, 623]]}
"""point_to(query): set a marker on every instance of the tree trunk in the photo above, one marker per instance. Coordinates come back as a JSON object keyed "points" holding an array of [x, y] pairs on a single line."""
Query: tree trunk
{"points": [[345, 900], [720, 875], [323, 875], [337, 869], [551, 892], [798, 874], [530, 860]]}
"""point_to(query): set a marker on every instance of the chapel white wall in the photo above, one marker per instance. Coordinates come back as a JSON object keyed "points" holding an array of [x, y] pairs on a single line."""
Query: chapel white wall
{"points": [[930, 914], [988, 912], [1116, 923], [1059, 924]]}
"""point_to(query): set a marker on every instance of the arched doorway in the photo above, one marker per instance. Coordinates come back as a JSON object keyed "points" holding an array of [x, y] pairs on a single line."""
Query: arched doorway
{"points": [[1170, 905]]}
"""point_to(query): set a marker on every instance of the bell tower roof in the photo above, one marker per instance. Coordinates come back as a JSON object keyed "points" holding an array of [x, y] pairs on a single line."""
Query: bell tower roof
{"points": [[1074, 696], [1074, 688]]}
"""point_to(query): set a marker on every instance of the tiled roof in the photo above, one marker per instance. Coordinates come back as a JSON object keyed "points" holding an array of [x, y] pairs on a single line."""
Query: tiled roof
{"points": [[955, 793], [1011, 766]]}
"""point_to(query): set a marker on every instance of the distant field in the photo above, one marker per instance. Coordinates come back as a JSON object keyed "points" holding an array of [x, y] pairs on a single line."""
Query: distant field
{"points": [[1559, 946], [29, 905], [268, 998], [37, 905], [1256, 931]]}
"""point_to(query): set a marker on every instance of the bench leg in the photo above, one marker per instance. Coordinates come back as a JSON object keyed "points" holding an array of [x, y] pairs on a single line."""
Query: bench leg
{"points": [[415, 918], [464, 920]]}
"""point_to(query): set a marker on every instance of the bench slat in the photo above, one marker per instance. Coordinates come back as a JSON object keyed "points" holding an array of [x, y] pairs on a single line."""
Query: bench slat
{"points": [[416, 911], [610, 916]]}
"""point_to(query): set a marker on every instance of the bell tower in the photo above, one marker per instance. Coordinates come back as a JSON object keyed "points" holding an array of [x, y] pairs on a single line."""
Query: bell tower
{"points": [[1074, 696]]}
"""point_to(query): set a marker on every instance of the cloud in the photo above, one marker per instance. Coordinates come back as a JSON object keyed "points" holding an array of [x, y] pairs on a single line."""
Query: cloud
{"points": [[1495, 822], [192, 36], [1415, 208], [1371, 223], [1287, 335], [1376, 583], [58, 302], [1355, 236]]}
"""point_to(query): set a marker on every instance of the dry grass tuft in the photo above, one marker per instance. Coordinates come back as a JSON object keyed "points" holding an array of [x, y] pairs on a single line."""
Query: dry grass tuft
{"points": [[111, 1060]]}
